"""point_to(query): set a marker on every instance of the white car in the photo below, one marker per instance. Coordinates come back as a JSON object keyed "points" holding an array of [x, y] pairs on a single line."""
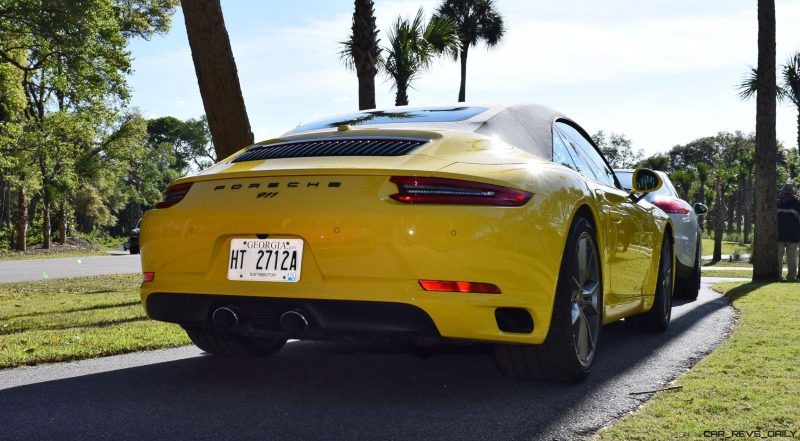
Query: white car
{"points": [[687, 233]]}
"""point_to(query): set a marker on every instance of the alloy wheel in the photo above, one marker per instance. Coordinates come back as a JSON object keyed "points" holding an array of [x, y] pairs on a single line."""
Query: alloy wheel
{"points": [[585, 307]]}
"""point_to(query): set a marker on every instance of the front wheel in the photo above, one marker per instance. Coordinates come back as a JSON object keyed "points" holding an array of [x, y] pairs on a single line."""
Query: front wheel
{"points": [[569, 350], [657, 319]]}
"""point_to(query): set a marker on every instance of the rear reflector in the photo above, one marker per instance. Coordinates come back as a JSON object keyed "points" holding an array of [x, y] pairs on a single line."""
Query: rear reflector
{"points": [[148, 277], [671, 205], [421, 190], [453, 286], [174, 194]]}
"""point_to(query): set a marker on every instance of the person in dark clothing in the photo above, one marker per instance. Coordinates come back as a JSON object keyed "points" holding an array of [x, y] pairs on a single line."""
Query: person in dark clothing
{"points": [[788, 230]]}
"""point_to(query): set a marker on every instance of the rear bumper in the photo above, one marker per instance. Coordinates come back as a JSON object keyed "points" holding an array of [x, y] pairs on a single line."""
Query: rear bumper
{"points": [[327, 318]]}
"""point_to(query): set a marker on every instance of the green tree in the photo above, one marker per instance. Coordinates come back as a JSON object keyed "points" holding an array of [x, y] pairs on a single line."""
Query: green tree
{"points": [[188, 140], [361, 52], [476, 21], [658, 161], [413, 44], [683, 180], [72, 59], [617, 149]]}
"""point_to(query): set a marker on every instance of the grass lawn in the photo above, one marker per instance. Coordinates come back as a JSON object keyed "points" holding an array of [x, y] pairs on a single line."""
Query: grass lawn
{"points": [[727, 247], [743, 274], [751, 382], [55, 255], [84, 317]]}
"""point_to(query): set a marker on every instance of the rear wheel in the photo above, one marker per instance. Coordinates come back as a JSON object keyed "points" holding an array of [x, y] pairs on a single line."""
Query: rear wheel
{"points": [[134, 250], [229, 344], [569, 350], [657, 319]]}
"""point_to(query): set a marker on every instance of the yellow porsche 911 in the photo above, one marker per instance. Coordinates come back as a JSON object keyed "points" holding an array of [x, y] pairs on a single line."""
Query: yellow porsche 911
{"points": [[499, 224]]}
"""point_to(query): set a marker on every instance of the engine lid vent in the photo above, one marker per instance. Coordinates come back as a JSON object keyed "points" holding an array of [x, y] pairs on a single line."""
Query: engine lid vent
{"points": [[373, 146]]}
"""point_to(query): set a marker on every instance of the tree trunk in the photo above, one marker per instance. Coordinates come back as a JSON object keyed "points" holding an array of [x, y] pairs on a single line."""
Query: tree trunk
{"points": [[62, 223], [701, 194], [798, 129], [401, 99], [765, 249], [748, 209], [46, 223], [22, 220], [730, 211], [217, 76], [719, 216], [365, 52], [462, 91]]}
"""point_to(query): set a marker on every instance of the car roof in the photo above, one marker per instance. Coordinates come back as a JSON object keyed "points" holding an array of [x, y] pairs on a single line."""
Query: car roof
{"points": [[527, 126]]}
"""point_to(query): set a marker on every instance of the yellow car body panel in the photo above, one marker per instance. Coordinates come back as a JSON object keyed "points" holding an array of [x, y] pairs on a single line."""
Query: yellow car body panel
{"points": [[361, 245]]}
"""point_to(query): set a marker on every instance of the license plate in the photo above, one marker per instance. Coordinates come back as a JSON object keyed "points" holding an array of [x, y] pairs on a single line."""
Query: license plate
{"points": [[265, 260]]}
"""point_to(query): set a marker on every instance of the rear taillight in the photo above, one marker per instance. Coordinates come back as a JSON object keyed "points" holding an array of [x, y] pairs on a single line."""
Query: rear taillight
{"points": [[671, 205], [421, 190], [456, 286], [174, 194]]}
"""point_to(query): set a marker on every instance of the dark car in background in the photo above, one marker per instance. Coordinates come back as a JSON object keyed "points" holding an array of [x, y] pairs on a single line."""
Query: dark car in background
{"points": [[132, 244]]}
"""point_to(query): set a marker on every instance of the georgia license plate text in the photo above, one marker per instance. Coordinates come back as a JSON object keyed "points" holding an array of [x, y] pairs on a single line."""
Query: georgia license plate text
{"points": [[268, 260]]}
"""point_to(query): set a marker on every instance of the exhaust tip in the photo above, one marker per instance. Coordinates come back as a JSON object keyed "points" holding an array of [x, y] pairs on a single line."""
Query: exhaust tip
{"points": [[225, 318], [293, 322]]}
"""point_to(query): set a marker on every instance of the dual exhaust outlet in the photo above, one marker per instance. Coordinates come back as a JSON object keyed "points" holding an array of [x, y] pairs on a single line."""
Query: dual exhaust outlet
{"points": [[292, 322]]}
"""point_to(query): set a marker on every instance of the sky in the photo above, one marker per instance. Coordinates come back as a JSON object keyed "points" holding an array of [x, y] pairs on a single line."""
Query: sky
{"points": [[662, 72]]}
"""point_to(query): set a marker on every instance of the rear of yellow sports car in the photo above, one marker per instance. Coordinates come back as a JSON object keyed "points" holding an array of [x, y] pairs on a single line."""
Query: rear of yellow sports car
{"points": [[446, 241]]}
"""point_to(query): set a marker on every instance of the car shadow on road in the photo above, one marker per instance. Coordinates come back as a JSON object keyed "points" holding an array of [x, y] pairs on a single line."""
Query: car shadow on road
{"points": [[356, 391]]}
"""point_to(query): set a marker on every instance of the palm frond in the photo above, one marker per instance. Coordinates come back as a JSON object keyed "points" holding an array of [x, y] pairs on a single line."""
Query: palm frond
{"points": [[346, 54], [748, 87], [790, 89]]}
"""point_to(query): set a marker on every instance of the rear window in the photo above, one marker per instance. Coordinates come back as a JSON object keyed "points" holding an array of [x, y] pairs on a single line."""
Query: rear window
{"points": [[429, 114]]}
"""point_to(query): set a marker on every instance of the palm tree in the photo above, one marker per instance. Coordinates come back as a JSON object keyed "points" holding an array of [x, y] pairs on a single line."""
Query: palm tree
{"points": [[413, 45], [765, 257], [475, 20], [362, 53], [683, 180], [791, 86], [217, 76]]}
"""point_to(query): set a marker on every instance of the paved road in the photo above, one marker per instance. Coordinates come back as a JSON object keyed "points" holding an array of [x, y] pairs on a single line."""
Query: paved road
{"points": [[726, 268], [38, 269], [332, 391]]}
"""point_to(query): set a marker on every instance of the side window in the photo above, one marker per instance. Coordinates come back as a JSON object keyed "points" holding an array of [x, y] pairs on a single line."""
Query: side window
{"points": [[590, 154], [580, 163], [561, 152]]}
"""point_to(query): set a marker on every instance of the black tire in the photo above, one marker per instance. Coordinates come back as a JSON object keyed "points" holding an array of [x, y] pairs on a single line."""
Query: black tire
{"points": [[229, 344], [689, 287], [569, 350], [135, 250], [658, 317]]}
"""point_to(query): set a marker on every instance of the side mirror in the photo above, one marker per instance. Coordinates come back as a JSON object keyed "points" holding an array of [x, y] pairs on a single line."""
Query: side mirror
{"points": [[700, 209], [645, 181]]}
